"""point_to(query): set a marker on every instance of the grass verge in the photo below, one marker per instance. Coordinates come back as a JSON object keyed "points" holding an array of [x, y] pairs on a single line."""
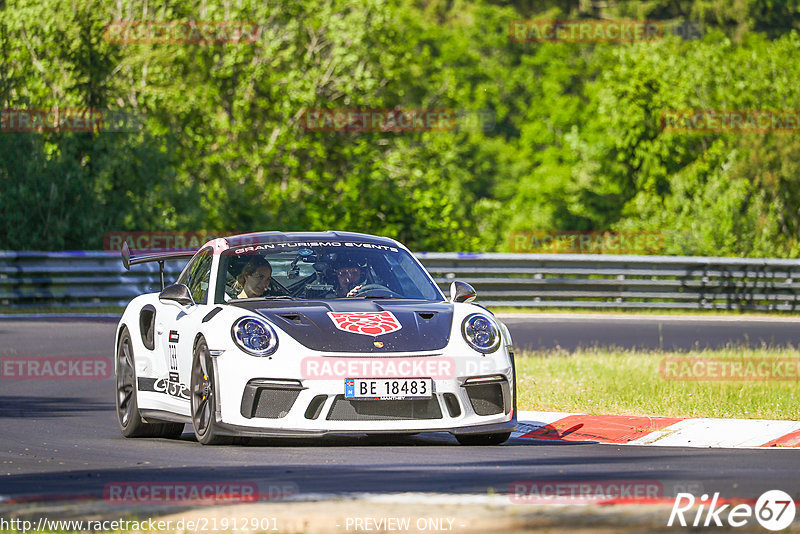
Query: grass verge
{"points": [[631, 382]]}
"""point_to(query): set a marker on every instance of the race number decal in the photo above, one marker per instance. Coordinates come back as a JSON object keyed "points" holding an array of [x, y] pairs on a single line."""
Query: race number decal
{"points": [[172, 384], [366, 323]]}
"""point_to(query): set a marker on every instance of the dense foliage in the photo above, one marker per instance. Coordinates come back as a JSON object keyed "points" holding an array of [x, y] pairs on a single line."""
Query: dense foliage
{"points": [[574, 142]]}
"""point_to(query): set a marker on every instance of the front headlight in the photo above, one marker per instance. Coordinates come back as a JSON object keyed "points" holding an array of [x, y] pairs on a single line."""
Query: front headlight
{"points": [[254, 336], [481, 333]]}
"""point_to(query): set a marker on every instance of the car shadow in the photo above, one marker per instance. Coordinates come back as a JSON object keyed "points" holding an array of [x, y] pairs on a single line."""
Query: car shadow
{"points": [[29, 406]]}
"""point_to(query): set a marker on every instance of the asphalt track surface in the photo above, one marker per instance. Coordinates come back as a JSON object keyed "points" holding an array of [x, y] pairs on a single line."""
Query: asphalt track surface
{"points": [[60, 438]]}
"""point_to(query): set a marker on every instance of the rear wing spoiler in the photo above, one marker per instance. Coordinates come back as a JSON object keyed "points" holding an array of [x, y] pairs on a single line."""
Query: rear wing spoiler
{"points": [[128, 259]]}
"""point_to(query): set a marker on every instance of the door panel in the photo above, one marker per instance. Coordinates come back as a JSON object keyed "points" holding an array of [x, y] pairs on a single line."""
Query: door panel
{"points": [[181, 326]]}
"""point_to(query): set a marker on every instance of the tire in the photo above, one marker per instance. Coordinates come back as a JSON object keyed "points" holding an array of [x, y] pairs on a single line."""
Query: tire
{"points": [[128, 416], [483, 439], [204, 397]]}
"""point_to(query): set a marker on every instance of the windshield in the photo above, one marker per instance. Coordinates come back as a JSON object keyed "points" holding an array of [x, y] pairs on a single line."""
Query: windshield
{"points": [[330, 270]]}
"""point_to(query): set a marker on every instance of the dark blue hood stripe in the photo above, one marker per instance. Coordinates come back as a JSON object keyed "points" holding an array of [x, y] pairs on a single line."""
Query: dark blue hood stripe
{"points": [[425, 325]]}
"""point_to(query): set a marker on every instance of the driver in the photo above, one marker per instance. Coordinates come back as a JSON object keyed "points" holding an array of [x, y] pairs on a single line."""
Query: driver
{"points": [[349, 277]]}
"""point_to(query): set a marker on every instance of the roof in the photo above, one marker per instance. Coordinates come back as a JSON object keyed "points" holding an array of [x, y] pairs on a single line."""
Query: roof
{"points": [[301, 237]]}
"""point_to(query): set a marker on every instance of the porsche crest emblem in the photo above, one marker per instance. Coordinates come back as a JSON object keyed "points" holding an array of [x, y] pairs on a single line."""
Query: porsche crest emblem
{"points": [[366, 323]]}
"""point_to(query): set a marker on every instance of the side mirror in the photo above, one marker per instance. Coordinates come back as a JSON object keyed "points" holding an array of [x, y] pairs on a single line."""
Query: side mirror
{"points": [[126, 256], [462, 292], [177, 295]]}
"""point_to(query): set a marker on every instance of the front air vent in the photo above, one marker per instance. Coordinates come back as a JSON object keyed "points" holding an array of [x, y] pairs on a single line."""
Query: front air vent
{"points": [[315, 406], [383, 410], [451, 401], [269, 399], [147, 320], [488, 398], [296, 318]]}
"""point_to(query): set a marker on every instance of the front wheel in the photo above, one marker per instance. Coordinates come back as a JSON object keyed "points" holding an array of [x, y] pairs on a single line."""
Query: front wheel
{"points": [[483, 439], [204, 397], [128, 416]]}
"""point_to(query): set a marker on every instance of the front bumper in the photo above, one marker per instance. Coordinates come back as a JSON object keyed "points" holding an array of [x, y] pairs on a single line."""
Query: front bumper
{"points": [[247, 431], [258, 400]]}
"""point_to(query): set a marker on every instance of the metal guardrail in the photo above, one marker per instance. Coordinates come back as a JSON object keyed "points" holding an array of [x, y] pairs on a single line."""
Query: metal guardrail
{"points": [[611, 281], [65, 279], [88, 279]]}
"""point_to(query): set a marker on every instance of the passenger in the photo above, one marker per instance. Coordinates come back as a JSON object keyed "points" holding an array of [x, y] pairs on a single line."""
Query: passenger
{"points": [[254, 280]]}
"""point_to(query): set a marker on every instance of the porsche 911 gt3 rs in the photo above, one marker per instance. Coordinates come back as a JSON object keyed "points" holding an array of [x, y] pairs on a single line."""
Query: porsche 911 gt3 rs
{"points": [[303, 334]]}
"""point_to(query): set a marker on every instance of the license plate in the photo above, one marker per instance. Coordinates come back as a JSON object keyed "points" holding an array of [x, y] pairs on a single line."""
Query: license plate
{"points": [[388, 388]]}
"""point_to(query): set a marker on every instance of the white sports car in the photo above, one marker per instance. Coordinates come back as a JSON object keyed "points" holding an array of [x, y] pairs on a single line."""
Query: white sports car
{"points": [[302, 334]]}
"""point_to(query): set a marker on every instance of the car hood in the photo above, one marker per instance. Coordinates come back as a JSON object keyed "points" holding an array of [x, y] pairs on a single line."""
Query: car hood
{"points": [[423, 326]]}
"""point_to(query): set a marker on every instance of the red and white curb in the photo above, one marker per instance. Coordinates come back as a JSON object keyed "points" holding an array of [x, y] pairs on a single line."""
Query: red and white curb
{"points": [[661, 431]]}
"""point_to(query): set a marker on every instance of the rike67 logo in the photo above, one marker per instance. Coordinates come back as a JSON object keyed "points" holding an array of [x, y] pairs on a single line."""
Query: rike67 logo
{"points": [[366, 323], [774, 510]]}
